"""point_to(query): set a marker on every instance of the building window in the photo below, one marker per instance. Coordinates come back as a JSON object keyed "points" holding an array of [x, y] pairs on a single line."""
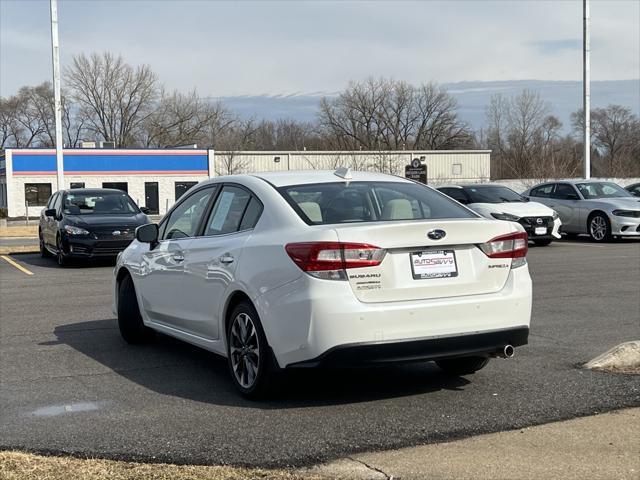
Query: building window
{"points": [[183, 187], [116, 185], [37, 194], [77, 185], [456, 169]]}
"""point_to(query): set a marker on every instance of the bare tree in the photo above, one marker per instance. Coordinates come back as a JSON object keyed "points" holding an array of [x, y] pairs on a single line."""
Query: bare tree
{"points": [[616, 132], [525, 139], [114, 97], [392, 115], [615, 140], [8, 125], [180, 119], [287, 134], [236, 137]]}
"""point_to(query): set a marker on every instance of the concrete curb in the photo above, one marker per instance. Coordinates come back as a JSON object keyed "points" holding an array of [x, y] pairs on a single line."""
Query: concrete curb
{"points": [[601, 446]]}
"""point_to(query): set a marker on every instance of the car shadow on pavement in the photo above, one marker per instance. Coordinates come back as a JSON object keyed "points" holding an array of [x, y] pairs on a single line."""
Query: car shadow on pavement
{"points": [[171, 367], [35, 260]]}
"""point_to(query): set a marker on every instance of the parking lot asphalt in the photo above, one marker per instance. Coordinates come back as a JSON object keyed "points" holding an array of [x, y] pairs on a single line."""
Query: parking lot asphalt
{"points": [[69, 383]]}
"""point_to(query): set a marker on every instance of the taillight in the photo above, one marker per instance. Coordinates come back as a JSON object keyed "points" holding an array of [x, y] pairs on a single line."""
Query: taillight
{"points": [[513, 245], [328, 260]]}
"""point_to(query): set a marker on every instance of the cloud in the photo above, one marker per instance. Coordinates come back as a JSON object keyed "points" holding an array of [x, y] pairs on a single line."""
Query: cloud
{"points": [[281, 47], [550, 47]]}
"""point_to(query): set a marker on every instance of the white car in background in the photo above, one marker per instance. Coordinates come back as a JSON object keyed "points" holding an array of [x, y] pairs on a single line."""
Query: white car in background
{"points": [[541, 223], [303, 269]]}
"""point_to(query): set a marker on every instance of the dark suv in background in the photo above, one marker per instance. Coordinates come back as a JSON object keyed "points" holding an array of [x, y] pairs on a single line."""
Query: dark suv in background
{"points": [[88, 223]]}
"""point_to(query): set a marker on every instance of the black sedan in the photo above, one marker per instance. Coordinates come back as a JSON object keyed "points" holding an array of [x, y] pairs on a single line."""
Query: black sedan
{"points": [[88, 223]]}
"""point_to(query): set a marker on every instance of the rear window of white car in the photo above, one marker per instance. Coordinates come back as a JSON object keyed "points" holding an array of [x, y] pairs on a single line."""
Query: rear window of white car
{"points": [[354, 202]]}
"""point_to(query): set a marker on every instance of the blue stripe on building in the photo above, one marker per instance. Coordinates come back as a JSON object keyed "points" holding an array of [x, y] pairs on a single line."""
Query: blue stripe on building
{"points": [[107, 163]]}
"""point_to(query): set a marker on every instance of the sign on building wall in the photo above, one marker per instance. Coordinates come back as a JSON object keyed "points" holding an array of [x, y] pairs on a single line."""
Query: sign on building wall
{"points": [[416, 171]]}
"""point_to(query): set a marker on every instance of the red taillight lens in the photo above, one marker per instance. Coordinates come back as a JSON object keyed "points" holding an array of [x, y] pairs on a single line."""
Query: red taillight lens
{"points": [[513, 245], [322, 256]]}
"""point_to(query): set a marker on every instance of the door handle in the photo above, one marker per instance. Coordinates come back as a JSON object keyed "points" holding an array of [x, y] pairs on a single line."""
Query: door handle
{"points": [[226, 258], [178, 257]]}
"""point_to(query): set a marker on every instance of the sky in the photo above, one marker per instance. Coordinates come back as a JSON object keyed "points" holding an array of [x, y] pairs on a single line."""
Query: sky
{"points": [[234, 48]]}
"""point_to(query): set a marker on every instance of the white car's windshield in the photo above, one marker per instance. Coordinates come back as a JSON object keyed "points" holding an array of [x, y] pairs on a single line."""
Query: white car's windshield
{"points": [[593, 190], [352, 202], [493, 194], [92, 203]]}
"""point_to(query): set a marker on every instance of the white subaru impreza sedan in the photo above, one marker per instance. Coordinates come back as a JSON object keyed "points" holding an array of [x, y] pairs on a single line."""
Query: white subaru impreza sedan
{"points": [[303, 269]]}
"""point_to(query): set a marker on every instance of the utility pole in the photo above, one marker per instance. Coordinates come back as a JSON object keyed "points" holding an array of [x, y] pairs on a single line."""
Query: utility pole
{"points": [[57, 107], [586, 86]]}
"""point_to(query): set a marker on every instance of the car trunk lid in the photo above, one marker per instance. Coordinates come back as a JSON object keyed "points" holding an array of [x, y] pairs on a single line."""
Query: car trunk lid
{"points": [[417, 267]]}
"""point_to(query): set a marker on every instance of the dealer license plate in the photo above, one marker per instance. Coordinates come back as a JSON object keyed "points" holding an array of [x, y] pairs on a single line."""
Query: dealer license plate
{"points": [[433, 264], [541, 230]]}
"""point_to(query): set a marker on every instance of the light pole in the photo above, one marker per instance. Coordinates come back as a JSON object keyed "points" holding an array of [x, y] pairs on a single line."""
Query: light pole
{"points": [[586, 86], [57, 107]]}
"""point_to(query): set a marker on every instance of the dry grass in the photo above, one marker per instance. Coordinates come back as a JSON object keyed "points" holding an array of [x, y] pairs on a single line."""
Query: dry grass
{"points": [[19, 231], [23, 466]]}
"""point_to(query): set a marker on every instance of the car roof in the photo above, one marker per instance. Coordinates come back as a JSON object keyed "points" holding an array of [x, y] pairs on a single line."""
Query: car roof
{"points": [[92, 190], [475, 185], [283, 179], [574, 181]]}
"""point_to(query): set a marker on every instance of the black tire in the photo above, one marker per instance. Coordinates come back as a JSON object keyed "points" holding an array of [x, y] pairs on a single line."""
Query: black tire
{"points": [[462, 365], [542, 243], [599, 228], [242, 361], [44, 253], [60, 256], [130, 322]]}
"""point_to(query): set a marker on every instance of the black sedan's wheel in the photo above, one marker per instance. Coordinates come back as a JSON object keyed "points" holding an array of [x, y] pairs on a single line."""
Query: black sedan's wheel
{"points": [[248, 353], [44, 253], [542, 243], [599, 227], [462, 365], [130, 322], [60, 255]]}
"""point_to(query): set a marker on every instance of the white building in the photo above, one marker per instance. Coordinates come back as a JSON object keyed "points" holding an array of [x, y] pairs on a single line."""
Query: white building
{"points": [[156, 178]]}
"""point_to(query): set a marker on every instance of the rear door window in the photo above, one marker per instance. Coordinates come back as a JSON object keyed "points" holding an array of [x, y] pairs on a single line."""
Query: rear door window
{"points": [[543, 191], [564, 191], [228, 210]]}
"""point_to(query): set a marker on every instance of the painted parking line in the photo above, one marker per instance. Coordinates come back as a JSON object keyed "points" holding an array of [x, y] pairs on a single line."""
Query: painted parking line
{"points": [[16, 264]]}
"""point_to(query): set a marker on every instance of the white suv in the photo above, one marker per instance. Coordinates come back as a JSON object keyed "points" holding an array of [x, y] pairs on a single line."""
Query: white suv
{"points": [[300, 269]]}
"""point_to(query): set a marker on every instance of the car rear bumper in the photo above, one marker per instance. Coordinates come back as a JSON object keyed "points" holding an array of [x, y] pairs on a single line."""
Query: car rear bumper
{"points": [[369, 354], [308, 317]]}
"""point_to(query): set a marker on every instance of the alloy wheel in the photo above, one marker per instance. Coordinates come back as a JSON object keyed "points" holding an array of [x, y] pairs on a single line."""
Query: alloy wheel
{"points": [[598, 228], [60, 253], [244, 349]]}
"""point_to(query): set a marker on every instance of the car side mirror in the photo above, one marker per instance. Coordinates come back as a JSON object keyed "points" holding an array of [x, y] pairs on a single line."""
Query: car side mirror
{"points": [[144, 210], [148, 234], [572, 196], [50, 212]]}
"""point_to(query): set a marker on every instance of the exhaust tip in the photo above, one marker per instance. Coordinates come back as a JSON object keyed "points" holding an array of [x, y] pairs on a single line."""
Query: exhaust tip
{"points": [[508, 351]]}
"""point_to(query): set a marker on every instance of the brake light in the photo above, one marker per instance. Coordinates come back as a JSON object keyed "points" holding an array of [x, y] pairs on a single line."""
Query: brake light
{"points": [[513, 245], [333, 257]]}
